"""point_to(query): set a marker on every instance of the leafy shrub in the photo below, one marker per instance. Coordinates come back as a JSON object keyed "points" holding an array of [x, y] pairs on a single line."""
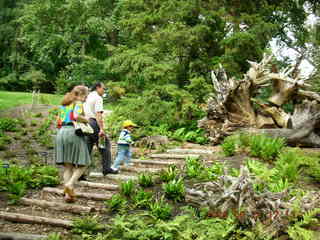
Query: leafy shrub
{"points": [[197, 135], [161, 105], [160, 209], [265, 147], [168, 174], [87, 225], [278, 185], [53, 236], [127, 188], [142, 199], [116, 203], [9, 124], [145, 180], [229, 146], [174, 190]]}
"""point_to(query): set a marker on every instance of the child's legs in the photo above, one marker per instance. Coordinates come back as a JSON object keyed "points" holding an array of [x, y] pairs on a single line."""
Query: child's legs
{"points": [[128, 156], [120, 157], [67, 173]]}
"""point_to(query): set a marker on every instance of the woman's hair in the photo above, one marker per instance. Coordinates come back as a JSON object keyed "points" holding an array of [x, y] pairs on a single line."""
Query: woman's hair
{"points": [[96, 85], [77, 91]]}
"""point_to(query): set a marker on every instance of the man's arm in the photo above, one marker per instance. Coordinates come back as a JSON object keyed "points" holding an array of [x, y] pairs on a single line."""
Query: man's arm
{"points": [[100, 122]]}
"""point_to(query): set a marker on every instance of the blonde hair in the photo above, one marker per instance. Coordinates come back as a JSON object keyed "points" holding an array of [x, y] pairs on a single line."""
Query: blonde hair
{"points": [[77, 91]]}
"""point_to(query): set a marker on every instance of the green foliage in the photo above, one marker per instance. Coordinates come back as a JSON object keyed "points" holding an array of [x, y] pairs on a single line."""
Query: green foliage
{"points": [[197, 136], [265, 147], [16, 180], [169, 174], [145, 180], [142, 199], [9, 124], [87, 225], [116, 203], [160, 209], [127, 188], [298, 230], [53, 236], [229, 146], [174, 190]]}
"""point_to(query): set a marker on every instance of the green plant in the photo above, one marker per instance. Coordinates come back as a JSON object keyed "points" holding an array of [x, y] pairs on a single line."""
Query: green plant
{"points": [[229, 146], [174, 190], [116, 203], [33, 123], [9, 124], [193, 167], [298, 230], [145, 180], [168, 174], [127, 188], [265, 147], [53, 236], [278, 185], [142, 199], [87, 225], [160, 209], [38, 115], [16, 190]]}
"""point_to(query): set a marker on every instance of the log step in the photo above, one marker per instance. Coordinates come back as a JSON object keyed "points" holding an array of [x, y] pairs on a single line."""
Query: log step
{"points": [[57, 205], [153, 162], [111, 187], [173, 156], [189, 151], [93, 196], [23, 218], [121, 177], [139, 170], [21, 236]]}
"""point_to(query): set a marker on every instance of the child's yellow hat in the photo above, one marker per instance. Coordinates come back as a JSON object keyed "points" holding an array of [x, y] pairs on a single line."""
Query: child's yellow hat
{"points": [[128, 123]]}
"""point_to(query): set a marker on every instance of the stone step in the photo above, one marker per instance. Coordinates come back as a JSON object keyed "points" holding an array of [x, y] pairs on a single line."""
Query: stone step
{"points": [[173, 156], [154, 162], [93, 196], [139, 170], [111, 187], [189, 151], [21, 236]]}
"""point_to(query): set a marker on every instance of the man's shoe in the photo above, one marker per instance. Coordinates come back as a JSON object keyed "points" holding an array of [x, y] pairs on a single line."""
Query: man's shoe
{"points": [[83, 178], [111, 171]]}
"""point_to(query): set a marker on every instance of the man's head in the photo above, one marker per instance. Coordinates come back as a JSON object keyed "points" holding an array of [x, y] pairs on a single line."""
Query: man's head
{"points": [[99, 87]]}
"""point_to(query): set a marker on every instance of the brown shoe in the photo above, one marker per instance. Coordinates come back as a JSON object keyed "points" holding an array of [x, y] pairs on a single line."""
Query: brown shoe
{"points": [[70, 195]]}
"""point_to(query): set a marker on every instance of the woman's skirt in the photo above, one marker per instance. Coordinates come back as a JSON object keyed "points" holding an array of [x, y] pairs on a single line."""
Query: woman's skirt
{"points": [[70, 148]]}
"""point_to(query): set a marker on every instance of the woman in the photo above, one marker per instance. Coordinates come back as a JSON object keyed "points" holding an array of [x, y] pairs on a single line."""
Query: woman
{"points": [[72, 150]]}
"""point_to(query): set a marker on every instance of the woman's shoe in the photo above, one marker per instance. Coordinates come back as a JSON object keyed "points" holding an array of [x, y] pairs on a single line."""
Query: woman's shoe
{"points": [[70, 195]]}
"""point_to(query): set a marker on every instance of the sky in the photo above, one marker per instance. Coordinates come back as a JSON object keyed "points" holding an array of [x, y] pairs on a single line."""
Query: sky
{"points": [[305, 67]]}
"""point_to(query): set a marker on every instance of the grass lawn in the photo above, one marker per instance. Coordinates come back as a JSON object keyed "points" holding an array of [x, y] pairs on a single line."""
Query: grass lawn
{"points": [[13, 99]]}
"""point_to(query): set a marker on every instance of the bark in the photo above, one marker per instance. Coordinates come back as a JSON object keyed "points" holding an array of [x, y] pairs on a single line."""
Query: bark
{"points": [[22, 218], [57, 206], [111, 187]]}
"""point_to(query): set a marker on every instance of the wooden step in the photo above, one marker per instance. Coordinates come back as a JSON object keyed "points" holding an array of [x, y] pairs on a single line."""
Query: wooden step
{"points": [[139, 170], [57, 206], [21, 236], [189, 151], [154, 162], [105, 186], [121, 177], [93, 196], [173, 156], [23, 218]]}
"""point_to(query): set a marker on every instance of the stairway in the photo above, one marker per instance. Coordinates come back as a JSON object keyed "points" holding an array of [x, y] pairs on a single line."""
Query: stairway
{"points": [[49, 213]]}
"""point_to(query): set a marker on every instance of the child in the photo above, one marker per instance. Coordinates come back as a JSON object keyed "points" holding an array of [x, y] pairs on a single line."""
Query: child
{"points": [[124, 142]]}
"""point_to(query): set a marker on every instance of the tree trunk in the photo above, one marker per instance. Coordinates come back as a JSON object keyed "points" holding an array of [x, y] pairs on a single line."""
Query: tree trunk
{"points": [[16, 217]]}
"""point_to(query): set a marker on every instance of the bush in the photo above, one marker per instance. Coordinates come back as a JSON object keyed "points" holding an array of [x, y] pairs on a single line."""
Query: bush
{"points": [[168, 174], [162, 105], [142, 199], [174, 190], [229, 146], [145, 180], [87, 225], [160, 209], [116, 203], [127, 188], [265, 147], [9, 124]]}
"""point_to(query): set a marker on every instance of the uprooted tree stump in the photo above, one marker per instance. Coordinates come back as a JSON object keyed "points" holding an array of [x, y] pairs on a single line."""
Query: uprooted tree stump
{"points": [[235, 105]]}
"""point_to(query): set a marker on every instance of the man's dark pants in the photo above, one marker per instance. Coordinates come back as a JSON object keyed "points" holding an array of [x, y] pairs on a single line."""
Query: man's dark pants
{"points": [[93, 139]]}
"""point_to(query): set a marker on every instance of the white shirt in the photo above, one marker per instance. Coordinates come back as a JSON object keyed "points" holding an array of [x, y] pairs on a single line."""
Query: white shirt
{"points": [[93, 105]]}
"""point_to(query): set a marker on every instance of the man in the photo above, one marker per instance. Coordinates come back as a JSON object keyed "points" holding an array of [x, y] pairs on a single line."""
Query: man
{"points": [[93, 109]]}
